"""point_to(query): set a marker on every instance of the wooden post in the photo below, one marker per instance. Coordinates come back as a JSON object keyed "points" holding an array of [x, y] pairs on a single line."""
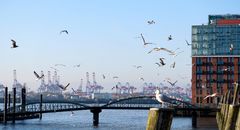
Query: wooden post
{"points": [[194, 119], [14, 105], [40, 114], [23, 100], [9, 100], [159, 119], [235, 96], [5, 105]]}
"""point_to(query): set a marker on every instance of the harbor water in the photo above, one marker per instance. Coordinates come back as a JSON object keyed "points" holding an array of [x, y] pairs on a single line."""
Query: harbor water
{"points": [[108, 120]]}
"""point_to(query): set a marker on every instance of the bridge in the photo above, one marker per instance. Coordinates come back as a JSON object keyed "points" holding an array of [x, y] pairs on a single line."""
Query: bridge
{"points": [[36, 109]]}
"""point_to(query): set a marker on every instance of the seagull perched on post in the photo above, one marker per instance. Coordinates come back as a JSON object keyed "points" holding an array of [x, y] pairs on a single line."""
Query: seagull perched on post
{"points": [[64, 87], [163, 99], [38, 77], [14, 45]]}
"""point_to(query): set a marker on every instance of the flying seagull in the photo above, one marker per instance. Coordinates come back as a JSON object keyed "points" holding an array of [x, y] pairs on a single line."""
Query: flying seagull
{"points": [[137, 66], [173, 65], [64, 31], [226, 69], [141, 79], [60, 65], [144, 42], [162, 62], [115, 77], [159, 65], [64, 87], [54, 68], [188, 43], [151, 22], [211, 95], [77, 65], [159, 49], [231, 48], [14, 45], [170, 37], [172, 84], [38, 77]]}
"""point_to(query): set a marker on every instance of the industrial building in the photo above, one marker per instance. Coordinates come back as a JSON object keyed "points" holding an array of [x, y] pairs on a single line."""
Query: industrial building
{"points": [[215, 57]]}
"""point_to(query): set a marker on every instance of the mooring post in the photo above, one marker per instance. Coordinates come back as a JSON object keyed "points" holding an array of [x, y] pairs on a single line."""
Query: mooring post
{"points": [[9, 100], [5, 105], [160, 119], [23, 100], [14, 105], [235, 96], [96, 112], [41, 100], [194, 119]]}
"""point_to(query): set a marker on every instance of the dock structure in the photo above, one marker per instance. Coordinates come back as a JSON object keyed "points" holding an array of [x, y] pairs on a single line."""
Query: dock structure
{"points": [[160, 119], [228, 118]]}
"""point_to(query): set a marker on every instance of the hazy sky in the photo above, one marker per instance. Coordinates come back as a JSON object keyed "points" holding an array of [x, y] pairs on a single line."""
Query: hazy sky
{"points": [[102, 38]]}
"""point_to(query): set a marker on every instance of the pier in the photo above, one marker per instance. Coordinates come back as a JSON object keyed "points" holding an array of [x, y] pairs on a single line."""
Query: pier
{"points": [[36, 109]]}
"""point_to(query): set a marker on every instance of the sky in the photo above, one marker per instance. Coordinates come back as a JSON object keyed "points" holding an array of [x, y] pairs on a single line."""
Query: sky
{"points": [[103, 38]]}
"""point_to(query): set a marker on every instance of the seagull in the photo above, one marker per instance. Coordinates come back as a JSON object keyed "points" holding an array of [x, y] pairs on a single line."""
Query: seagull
{"points": [[160, 48], [103, 76], [38, 77], [137, 66], [188, 43], [64, 31], [162, 62], [74, 90], [72, 113], [77, 65], [173, 65], [115, 77], [211, 95], [144, 42], [60, 65], [170, 37], [159, 65], [231, 48], [141, 79], [64, 87], [151, 22], [14, 45], [172, 84], [226, 69], [54, 68], [162, 98]]}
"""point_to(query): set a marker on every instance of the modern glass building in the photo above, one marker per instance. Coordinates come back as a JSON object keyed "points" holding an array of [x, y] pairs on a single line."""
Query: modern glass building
{"points": [[215, 57]]}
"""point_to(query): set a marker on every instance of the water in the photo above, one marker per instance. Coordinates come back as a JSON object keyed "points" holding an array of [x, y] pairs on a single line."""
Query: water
{"points": [[82, 120]]}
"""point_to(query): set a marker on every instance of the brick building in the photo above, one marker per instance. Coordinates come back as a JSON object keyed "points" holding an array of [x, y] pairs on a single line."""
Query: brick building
{"points": [[215, 57]]}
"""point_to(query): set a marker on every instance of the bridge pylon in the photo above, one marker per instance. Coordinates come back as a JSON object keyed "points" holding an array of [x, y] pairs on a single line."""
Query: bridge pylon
{"points": [[96, 111]]}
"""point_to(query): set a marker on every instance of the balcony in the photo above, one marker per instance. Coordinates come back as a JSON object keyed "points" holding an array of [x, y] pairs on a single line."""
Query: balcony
{"points": [[199, 72], [220, 63], [207, 63], [228, 63]]}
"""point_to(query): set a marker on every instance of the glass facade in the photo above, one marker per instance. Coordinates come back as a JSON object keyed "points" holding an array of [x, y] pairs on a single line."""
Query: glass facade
{"points": [[216, 39]]}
